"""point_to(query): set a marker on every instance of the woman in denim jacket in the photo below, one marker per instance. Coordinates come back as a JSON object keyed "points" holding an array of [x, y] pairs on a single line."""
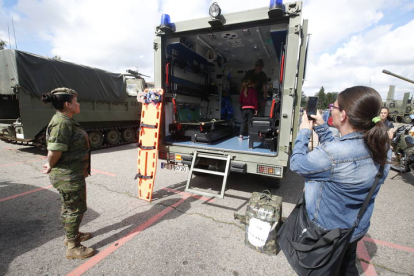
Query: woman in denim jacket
{"points": [[340, 172]]}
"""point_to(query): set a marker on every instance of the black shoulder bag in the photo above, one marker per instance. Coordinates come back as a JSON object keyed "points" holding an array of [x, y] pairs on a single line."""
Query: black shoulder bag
{"points": [[312, 250]]}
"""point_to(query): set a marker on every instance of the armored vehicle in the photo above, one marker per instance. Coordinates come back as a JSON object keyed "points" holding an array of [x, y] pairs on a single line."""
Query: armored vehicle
{"points": [[399, 109], [109, 110], [201, 63]]}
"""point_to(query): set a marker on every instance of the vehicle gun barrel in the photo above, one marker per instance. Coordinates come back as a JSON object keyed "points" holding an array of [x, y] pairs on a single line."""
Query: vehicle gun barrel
{"points": [[397, 76]]}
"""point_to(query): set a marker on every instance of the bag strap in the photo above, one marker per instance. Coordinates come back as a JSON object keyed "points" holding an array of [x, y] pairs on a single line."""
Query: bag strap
{"points": [[369, 196], [266, 194]]}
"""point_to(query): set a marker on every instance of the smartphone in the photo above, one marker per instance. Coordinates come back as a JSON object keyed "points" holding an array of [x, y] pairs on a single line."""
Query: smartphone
{"points": [[311, 107]]}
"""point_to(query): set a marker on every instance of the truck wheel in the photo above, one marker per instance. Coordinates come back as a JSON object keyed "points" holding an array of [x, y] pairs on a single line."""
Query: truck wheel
{"points": [[95, 139], [128, 135], [112, 137], [407, 120]]}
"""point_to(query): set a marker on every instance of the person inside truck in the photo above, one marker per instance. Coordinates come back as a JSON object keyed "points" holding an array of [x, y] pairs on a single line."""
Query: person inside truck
{"points": [[385, 112], [261, 85], [248, 103], [68, 164], [340, 172]]}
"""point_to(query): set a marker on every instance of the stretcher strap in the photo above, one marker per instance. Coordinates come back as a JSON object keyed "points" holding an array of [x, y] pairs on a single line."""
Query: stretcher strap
{"points": [[148, 126], [138, 175], [146, 147]]}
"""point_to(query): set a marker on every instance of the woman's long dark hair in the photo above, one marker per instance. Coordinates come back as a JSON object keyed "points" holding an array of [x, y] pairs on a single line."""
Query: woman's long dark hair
{"points": [[58, 101], [362, 104]]}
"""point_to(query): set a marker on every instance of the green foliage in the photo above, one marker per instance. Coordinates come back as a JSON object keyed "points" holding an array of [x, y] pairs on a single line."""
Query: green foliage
{"points": [[303, 99], [2, 43], [321, 98], [324, 99]]}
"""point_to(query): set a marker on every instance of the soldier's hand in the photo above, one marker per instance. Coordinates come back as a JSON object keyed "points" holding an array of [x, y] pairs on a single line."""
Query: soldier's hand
{"points": [[46, 168]]}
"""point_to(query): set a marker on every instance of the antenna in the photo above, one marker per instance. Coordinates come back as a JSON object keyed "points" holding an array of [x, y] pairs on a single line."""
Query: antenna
{"points": [[15, 41], [8, 30]]}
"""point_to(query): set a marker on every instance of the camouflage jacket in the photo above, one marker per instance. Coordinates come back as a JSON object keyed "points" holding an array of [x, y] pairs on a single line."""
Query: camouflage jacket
{"points": [[66, 135]]}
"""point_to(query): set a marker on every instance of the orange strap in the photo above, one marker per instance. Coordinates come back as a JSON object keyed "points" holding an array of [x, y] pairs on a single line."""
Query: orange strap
{"points": [[273, 108], [282, 68], [167, 73]]}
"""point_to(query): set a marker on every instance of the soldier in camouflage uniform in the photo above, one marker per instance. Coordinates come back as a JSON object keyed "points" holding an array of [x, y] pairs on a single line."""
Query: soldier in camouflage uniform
{"points": [[68, 165]]}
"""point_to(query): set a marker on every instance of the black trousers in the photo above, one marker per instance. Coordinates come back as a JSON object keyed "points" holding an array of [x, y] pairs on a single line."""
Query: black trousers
{"points": [[246, 118], [348, 266]]}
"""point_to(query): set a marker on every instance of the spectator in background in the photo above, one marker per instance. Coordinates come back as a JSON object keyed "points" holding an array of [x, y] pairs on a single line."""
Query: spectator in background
{"points": [[261, 85], [248, 103], [386, 120]]}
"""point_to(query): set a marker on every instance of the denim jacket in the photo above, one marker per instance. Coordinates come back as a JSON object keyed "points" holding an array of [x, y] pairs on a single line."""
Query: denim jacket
{"points": [[338, 174]]}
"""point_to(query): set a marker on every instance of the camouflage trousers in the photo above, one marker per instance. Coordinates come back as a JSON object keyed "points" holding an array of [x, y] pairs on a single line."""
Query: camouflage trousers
{"points": [[73, 209]]}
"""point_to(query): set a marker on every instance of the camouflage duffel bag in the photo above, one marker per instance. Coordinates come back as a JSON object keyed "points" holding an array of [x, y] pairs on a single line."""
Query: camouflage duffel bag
{"points": [[263, 219]]}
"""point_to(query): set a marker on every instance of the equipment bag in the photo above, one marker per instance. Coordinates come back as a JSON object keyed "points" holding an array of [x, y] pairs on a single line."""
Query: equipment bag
{"points": [[312, 250], [263, 217]]}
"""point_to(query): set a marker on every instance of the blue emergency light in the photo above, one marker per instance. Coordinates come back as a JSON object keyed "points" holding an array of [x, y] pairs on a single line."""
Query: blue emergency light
{"points": [[276, 8], [166, 25]]}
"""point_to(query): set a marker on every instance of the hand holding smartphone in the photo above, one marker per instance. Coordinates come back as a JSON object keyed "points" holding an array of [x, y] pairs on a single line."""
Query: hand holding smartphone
{"points": [[311, 108]]}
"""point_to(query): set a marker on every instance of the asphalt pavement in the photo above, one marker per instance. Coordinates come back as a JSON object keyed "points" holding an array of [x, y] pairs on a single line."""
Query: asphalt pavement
{"points": [[177, 233]]}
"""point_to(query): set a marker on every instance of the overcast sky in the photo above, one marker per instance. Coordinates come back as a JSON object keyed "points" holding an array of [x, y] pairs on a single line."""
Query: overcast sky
{"points": [[352, 41]]}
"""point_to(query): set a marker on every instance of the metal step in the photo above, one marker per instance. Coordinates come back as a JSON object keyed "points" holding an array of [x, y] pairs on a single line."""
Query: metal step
{"points": [[225, 174]]}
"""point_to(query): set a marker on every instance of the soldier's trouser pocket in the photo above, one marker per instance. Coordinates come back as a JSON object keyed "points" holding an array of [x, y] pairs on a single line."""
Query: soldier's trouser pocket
{"points": [[73, 209]]}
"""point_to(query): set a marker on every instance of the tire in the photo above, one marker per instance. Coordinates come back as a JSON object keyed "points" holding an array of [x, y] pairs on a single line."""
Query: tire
{"points": [[95, 139], [407, 120], [112, 137], [128, 135]]}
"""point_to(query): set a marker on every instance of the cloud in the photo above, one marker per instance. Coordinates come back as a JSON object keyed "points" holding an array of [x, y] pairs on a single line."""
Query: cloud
{"points": [[349, 46], [360, 61], [351, 41]]}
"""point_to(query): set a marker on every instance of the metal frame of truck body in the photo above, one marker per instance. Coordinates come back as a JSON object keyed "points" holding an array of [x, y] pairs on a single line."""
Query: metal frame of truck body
{"points": [[291, 88]]}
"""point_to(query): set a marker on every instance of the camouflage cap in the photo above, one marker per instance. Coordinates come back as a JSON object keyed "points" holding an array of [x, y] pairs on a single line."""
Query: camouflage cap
{"points": [[64, 90]]}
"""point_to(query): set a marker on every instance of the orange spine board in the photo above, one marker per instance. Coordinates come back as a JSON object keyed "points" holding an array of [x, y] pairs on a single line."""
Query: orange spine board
{"points": [[148, 146]]}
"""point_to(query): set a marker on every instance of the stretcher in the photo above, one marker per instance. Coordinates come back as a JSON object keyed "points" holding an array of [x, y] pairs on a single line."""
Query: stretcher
{"points": [[206, 130], [152, 101]]}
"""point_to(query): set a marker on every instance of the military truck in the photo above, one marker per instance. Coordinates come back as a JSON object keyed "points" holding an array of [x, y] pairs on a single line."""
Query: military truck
{"points": [[400, 110], [200, 65], [109, 110]]}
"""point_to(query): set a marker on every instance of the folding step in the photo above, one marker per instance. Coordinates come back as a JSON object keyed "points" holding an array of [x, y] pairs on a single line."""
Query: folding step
{"points": [[196, 157]]}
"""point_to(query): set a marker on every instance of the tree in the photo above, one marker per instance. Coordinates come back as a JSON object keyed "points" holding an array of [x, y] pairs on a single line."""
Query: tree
{"points": [[330, 98], [303, 99], [2, 44], [321, 98]]}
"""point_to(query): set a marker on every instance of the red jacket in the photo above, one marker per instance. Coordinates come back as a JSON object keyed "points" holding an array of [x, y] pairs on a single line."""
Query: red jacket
{"points": [[250, 101]]}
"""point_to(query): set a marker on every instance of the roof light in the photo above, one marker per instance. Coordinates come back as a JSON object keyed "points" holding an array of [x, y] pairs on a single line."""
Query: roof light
{"points": [[276, 8], [217, 19], [166, 26], [214, 11]]}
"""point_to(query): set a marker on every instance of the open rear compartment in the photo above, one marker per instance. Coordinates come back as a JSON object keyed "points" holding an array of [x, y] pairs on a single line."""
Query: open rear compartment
{"points": [[203, 77]]}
